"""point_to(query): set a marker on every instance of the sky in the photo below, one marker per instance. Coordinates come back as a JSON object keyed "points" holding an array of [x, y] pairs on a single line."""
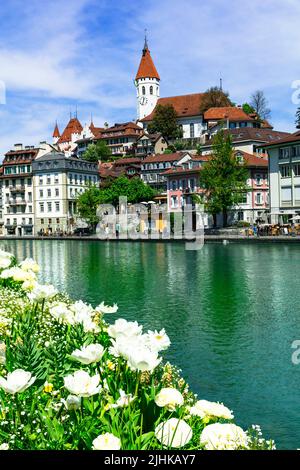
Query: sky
{"points": [[59, 55]]}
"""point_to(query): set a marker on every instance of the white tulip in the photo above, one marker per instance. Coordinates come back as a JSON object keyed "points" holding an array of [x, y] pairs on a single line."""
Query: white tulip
{"points": [[102, 308], [2, 352], [219, 436], [42, 292], [82, 384], [61, 312], [89, 354], [123, 401], [5, 259], [17, 274], [174, 433], [106, 441], [6, 254], [72, 402], [4, 446], [16, 381], [30, 265], [158, 341], [125, 328], [82, 311], [169, 398], [143, 359], [204, 408]]}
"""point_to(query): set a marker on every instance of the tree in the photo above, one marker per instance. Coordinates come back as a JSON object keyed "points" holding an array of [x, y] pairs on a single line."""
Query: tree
{"points": [[248, 109], [297, 122], [223, 178], [165, 122], [134, 189], [87, 204], [96, 152], [260, 104], [214, 97]]}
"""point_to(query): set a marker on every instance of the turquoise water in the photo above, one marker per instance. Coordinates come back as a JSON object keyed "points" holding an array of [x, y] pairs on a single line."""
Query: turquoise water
{"points": [[231, 312]]}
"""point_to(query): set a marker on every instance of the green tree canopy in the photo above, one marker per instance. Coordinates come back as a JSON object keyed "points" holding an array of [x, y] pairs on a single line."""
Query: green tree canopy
{"points": [[134, 189], [223, 177], [165, 122], [87, 204], [214, 97], [98, 151], [248, 109]]}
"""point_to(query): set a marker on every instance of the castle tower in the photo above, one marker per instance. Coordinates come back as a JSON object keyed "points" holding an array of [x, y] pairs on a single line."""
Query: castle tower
{"points": [[147, 83], [56, 134]]}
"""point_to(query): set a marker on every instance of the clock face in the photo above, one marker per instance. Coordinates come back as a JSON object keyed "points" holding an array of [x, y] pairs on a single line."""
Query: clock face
{"points": [[143, 100]]}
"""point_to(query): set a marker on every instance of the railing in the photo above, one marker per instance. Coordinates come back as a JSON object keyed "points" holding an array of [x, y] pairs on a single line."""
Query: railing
{"points": [[16, 188]]}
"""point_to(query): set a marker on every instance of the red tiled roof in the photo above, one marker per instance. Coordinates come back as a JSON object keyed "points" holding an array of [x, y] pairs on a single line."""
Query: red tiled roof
{"points": [[252, 134], [228, 112], [184, 105], [171, 157], [286, 140], [127, 161], [147, 68], [253, 160], [73, 127], [56, 132], [266, 125]]}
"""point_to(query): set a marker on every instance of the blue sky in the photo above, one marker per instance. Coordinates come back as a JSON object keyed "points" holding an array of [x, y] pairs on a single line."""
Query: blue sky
{"points": [[57, 55]]}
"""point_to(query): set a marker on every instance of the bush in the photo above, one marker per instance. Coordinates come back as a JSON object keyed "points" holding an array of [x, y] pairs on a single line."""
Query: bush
{"points": [[243, 223]]}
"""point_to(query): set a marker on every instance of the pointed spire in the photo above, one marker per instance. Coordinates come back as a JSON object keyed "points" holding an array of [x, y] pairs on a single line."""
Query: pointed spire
{"points": [[145, 43], [147, 68], [56, 132]]}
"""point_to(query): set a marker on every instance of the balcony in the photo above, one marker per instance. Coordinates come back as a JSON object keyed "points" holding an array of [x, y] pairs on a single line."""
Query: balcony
{"points": [[17, 188], [17, 202]]}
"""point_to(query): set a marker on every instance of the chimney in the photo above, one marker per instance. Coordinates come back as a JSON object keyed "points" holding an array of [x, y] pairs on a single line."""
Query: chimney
{"points": [[43, 142], [18, 146]]}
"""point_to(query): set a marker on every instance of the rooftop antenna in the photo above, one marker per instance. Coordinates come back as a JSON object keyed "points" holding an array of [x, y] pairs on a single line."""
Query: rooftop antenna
{"points": [[76, 111]]}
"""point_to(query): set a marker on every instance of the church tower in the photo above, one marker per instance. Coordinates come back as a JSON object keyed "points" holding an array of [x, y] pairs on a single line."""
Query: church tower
{"points": [[147, 84]]}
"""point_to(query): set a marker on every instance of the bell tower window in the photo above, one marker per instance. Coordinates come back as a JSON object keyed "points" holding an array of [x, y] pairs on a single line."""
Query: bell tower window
{"points": [[143, 90], [151, 90]]}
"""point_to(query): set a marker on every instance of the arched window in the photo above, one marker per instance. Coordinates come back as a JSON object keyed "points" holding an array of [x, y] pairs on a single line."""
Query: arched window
{"points": [[151, 90], [143, 90]]}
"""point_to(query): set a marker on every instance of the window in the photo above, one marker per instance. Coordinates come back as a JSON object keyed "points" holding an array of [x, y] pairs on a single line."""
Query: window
{"points": [[286, 194], [243, 124], [143, 90], [50, 221], [258, 180], [48, 179], [57, 221], [41, 207], [56, 192], [284, 152], [174, 185], [285, 171], [42, 221], [56, 178], [57, 206], [29, 197], [49, 205], [174, 202], [29, 208], [232, 125], [192, 131], [29, 181], [49, 192], [41, 193], [258, 198], [151, 90], [297, 170], [41, 180], [30, 221]]}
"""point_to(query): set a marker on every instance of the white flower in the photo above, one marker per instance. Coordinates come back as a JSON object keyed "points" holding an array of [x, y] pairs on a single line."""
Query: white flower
{"points": [[29, 284], [42, 292], [72, 402], [158, 341], [4, 446], [61, 312], [143, 359], [123, 347], [89, 326], [219, 436], [82, 384], [174, 433], [16, 381], [29, 265], [125, 328], [102, 308], [82, 311], [209, 409], [169, 398], [17, 274], [89, 354], [123, 401], [106, 441], [5, 259]]}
